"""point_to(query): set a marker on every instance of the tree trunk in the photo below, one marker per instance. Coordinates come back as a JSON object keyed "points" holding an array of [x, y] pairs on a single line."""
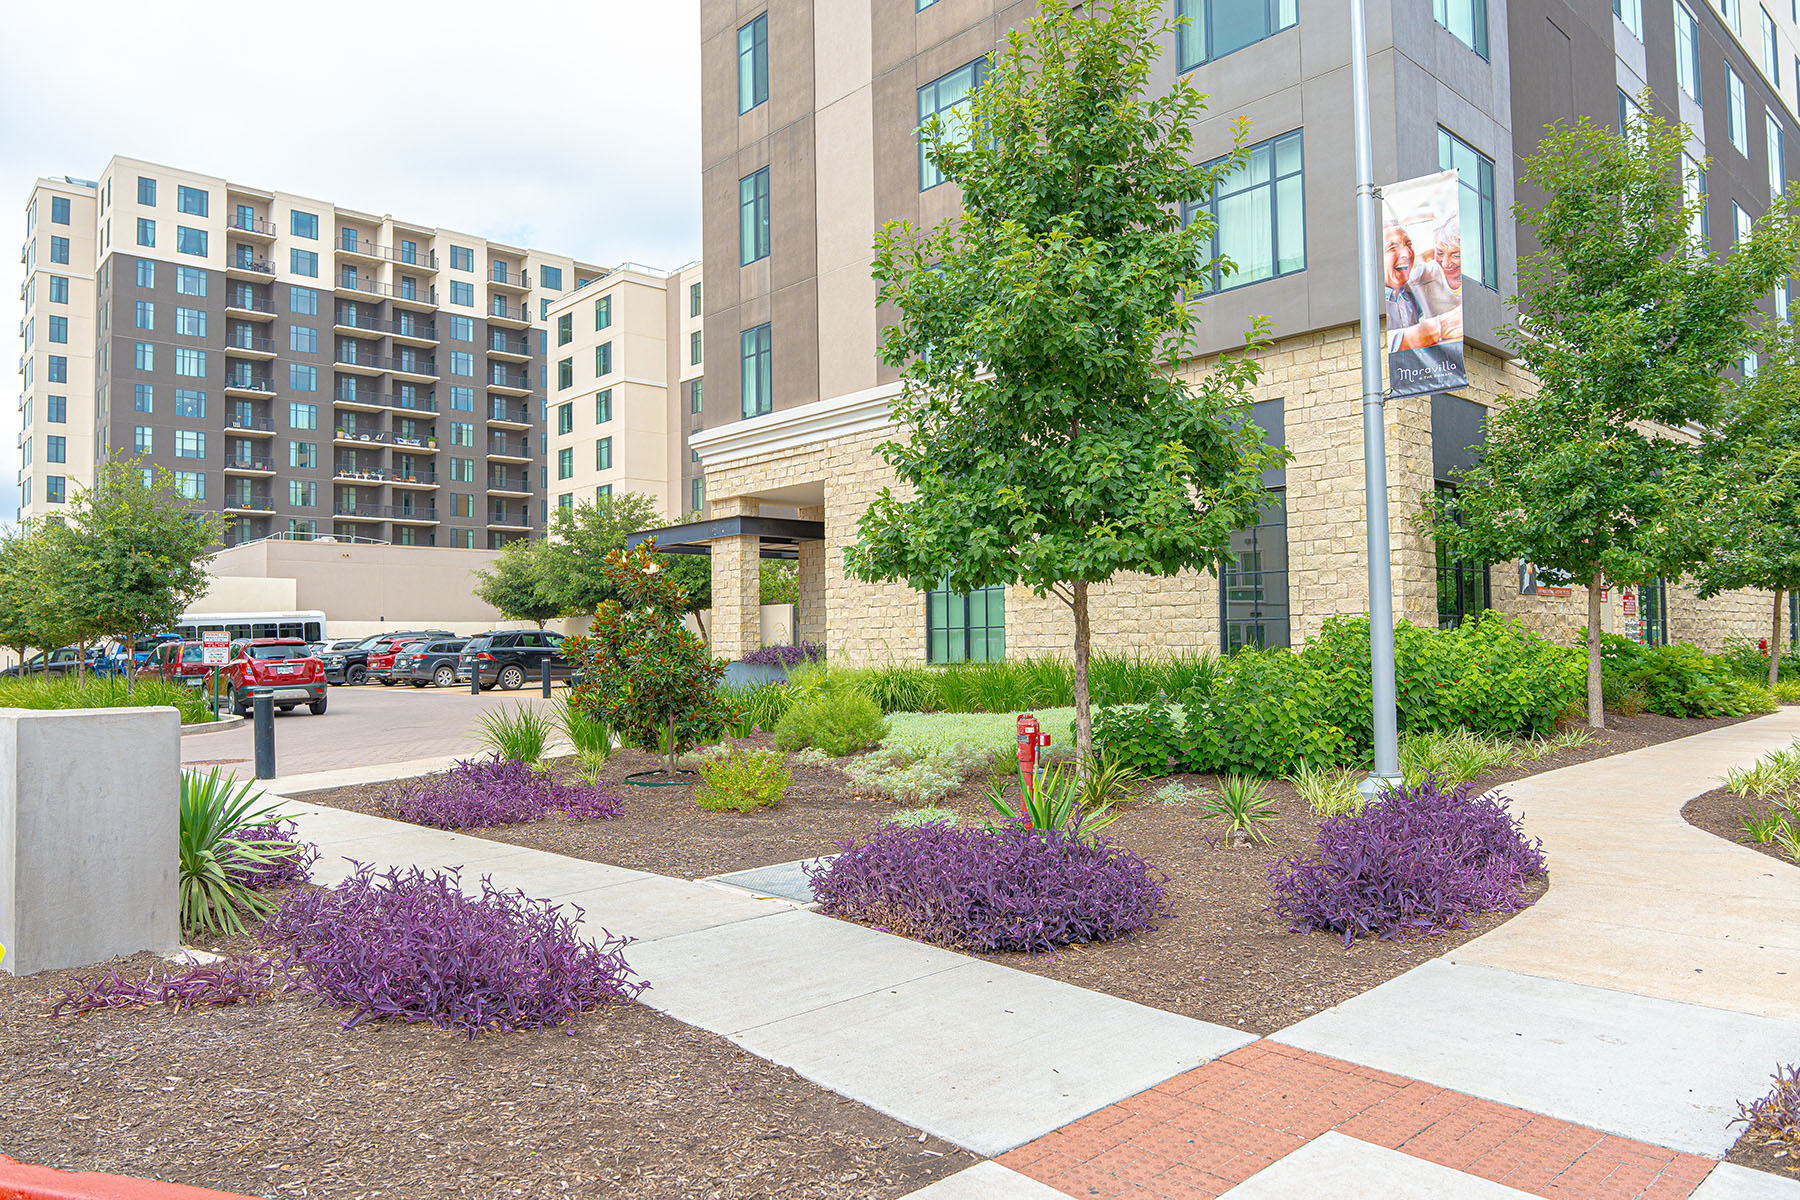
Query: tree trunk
{"points": [[702, 624], [80, 663], [1084, 716], [1596, 698], [1775, 642], [669, 749]]}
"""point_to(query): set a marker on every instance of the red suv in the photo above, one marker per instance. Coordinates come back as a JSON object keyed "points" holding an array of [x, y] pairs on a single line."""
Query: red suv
{"points": [[385, 654], [282, 669]]}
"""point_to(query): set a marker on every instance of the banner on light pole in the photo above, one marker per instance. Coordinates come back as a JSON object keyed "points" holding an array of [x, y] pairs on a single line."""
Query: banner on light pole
{"points": [[1421, 277]]}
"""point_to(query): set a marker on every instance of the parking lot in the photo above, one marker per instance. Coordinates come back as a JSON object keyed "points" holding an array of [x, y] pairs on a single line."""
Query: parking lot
{"points": [[363, 726]]}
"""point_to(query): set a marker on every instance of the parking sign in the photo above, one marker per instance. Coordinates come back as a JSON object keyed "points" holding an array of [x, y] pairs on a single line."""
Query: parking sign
{"points": [[215, 647]]}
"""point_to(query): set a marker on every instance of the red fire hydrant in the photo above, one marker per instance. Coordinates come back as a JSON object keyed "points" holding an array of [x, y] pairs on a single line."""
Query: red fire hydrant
{"points": [[1031, 738]]}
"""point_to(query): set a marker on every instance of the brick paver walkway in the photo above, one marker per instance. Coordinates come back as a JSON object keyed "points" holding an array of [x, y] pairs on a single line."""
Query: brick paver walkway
{"points": [[1207, 1130]]}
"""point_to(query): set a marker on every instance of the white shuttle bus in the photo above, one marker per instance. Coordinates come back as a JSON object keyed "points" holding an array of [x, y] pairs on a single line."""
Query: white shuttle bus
{"points": [[308, 626]]}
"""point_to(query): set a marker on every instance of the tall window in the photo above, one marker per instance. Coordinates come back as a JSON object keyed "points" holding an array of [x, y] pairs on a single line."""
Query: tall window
{"points": [[758, 374], [146, 231], [603, 360], [603, 454], [190, 322], [59, 289], [192, 200], [565, 373], [565, 462], [565, 418], [1215, 28], [1687, 51], [1463, 588], [753, 217], [1260, 215], [190, 281], [694, 348], [303, 454], [56, 448], [462, 292], [59, 249], [1777, 162], [1740, 225], [462, 258], [1771, 50], [603, 406], [146, 191], [1693, 178], [1253, 587], [753, 63], [59, 210], [693, 299], [303, 224], [1737, 119], [57, 408], [695, 402], [603, 312], [1476, 204], [945, 98], [190, 241], [965, 627], [146, 274], [1631, 12], [1467, 22], [565, 329], [1653, 607], [59, 329], [304, 262]]}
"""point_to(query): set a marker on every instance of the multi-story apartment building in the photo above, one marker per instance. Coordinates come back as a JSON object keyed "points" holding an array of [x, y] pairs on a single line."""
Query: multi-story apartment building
{"points": [[809, 119], [626, 360], [305, 368]]}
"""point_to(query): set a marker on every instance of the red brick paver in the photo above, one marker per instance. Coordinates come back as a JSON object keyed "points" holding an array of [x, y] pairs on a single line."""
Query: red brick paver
{"points": [[1202, 1133]]}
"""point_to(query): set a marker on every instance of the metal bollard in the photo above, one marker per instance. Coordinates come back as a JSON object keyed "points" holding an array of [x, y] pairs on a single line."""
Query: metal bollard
{"points": [[474, 679], [544, 677], [264, 725]]}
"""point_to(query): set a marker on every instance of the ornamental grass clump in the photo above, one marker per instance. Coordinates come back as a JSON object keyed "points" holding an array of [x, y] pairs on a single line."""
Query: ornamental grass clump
{"points": [[1417, 860], [412, 945], [478, 793], [741, 780], [1010, 888]]}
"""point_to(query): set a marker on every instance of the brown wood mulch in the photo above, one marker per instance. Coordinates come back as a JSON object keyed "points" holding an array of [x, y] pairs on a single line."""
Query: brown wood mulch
{"points": [[278, 1100], [1221, 958], [1759, 1154], [1721, 814]]}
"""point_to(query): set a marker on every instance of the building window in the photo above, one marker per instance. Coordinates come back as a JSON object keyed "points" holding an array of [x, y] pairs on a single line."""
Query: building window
{"points": [[1631, 12], [190, 322], [303, 377], [56, 408], [190, 443], [190, 281], [1260, 215], [603, 406], [1777, 170], [753, 64], [59, 205], [565, 418], [693, 299], [945, 98], [550, 278], [753, 217], [143, 439], [146, 231], [190, 403], [1466, 20], [1781, 307], [146, 192], [1653, 608], [603, 362], [603, 454], [1253, 588], [603, 312], [303, 339], [302, 416], [56, 448], [1215, 28], [303, 301], [1479, 257], [1693, 177], [462, 399], [757, 371], [462, 470], [59, 329], [59, 289], [190, 241], [1741, 225], [965, 628], [1737, 120], [59, 250], [565, 462], [144, 314], [565, 372], [462, 363], [54, 489], [462, 258], [303, 454], [57, 369], [303, 224], [144, 356], [192, 201], [462, 292], [1771, 50], [565, 329], [303, 493], [694, 395], [1463, 588], [146, 274], [462, 433], [143, 397], [191, 363], [697, 494], [304, 262]]}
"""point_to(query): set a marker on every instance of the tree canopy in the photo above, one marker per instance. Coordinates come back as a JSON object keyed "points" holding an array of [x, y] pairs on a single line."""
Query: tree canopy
{"points": [[516, 585]]}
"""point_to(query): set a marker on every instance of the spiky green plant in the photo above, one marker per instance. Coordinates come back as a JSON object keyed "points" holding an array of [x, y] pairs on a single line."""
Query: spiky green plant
{"points": [[1327, 792], [215, 811], [591, 738], [1052, 801], [518, 734], [1245, 807]]}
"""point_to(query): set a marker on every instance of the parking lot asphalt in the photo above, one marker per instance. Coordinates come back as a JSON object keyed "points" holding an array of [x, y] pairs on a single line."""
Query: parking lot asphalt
{"points": [[363, 726]]}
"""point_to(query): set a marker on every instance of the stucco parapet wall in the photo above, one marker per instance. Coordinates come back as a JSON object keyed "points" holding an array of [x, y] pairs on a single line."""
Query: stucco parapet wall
{"points": [[853, 415]]}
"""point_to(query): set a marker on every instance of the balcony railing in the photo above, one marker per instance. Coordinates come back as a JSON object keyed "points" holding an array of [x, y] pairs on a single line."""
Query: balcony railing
{"points": [[387, 512], [498, 340], [349, 353], [261, 266], [249, 462], [501, 517], [509, 481], [507, 312], [243, 340], [411, 403], [408, 325], [245, 381], [517, 413], [382, 475], [351, 281], [500, 273], [510, 447], [248, 300], [347, 240], [250, 225], [262, 424], [254, 501], [501, 377]]}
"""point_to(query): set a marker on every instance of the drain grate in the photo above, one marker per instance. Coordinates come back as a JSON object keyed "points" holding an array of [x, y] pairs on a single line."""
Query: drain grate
{"points": [[786, 880]]}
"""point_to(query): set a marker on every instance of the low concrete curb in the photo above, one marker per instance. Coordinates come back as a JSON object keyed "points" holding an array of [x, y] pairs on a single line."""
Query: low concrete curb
{"points": [[217, 726]]}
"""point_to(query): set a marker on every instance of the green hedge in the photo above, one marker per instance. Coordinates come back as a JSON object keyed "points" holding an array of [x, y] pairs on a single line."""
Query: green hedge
{"points": [[1267, 712], [1023, 684], [1677, 680], [97, 691]]}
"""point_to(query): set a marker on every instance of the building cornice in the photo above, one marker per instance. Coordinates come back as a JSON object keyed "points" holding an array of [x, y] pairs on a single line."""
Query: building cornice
{"points": [[846, 416]]}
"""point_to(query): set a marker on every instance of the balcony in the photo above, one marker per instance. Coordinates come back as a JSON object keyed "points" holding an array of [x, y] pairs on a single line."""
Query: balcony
{"points": [[503, 313], [409, 327], [243, 302], [360, 512], [250, 502], [510, 414], [501, 346], [420, 480], [246, 383], [249, 464], [502, 276], [249, 268], [349, 283], [242, 343], [367, 400], [249, 426], [514, 483], [348, 322], [502, 380], [505, 520], [254, 227], [418, 514], [513, 449], [350, 245]]}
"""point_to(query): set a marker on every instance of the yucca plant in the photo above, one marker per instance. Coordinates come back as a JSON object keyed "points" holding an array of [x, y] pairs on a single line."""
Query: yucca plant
{"points": [[1244, 805], [518, 734], [216, 812], [1052, 801]]}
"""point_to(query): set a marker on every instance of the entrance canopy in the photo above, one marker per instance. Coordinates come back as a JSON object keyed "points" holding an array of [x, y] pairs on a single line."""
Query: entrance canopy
{"points": [[777, 537]]}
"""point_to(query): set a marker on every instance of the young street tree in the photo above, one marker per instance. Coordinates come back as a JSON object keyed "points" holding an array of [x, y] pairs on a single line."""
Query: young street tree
{"points": [[1748, 512], [516, 584], [581, 537], [1048, 441], [1627, 325]]}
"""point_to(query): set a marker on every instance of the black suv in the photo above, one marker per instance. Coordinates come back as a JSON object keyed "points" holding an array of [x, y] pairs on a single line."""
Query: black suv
{"points": [[511, 658], [432, 662], [351, 665]]}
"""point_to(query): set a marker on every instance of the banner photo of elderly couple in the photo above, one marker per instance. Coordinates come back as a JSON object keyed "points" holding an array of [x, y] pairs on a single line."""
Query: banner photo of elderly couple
{"points": [[1421, 276]]}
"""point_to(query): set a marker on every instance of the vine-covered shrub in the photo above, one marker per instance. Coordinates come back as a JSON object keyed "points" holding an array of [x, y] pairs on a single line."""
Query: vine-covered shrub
{"points": [[410, 944], [1011, 888], [477, 793], [1417, 860]]}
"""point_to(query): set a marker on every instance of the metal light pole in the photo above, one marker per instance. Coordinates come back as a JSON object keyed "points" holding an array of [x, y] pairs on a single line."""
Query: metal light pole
{"points": [[1381, 584]]}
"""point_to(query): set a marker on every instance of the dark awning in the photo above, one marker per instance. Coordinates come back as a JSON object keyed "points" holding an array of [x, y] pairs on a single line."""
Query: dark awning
{"points": [[779, 537]]}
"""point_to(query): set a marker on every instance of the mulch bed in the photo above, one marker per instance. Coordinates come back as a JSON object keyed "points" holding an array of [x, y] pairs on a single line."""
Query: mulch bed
{"points": [[1757, 1154], [1721, 814], [278, 1100], [1221, 958]]}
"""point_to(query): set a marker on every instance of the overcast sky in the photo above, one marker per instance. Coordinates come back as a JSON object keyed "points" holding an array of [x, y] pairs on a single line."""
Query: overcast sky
{"points": [[569, 126]]}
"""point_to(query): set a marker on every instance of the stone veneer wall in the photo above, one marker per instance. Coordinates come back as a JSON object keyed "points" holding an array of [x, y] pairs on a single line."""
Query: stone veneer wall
{"points": [[1317, 377]]}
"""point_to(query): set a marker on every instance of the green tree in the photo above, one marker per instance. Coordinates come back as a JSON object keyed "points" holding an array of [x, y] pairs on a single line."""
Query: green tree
{"points": [[21, 625], [1748, 510], [135, 554], [780, 582], [1047, 439], [515, 585], [578, 542], [643, 673], [1627, 325]]}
